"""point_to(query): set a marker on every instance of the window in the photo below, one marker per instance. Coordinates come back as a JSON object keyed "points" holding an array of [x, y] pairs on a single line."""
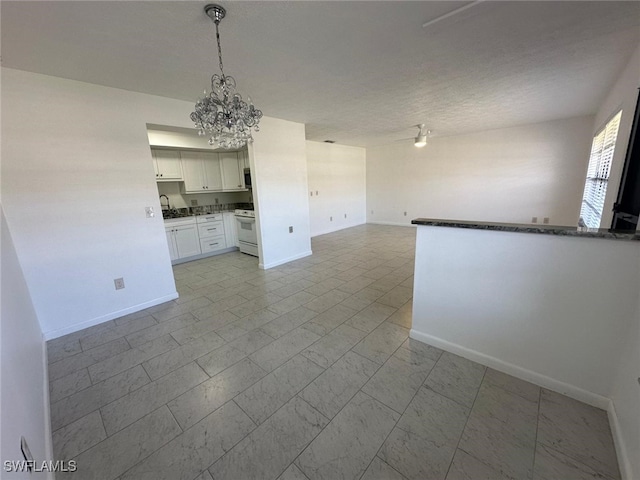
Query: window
{"points": [[595, 187]]}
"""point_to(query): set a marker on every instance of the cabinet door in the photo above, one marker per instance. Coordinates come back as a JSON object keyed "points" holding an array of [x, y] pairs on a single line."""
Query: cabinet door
{"points": [[230, 229], [192, 170], [187, 241], [211, 166], [232, 171], [173, 253], [168, 165]]}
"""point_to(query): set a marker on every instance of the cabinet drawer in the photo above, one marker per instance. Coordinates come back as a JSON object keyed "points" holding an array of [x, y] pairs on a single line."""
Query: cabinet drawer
{"points": [[213, 243], [213, 217], [206, 230]]}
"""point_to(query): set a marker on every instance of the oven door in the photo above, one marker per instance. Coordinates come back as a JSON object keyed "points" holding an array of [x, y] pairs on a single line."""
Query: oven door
{"points": [[247, 230]]}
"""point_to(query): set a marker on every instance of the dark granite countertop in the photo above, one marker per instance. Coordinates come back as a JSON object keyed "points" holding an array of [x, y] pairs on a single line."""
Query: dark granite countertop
{"points": [[524, 228]]}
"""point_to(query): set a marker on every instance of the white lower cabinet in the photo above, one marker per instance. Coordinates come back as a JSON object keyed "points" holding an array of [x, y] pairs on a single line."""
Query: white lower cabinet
{"points": [[201, 235], [183, 240], [211, 232]]}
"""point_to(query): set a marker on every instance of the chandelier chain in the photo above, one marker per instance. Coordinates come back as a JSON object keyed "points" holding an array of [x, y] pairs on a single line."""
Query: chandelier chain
{"points": [[219, 48]]}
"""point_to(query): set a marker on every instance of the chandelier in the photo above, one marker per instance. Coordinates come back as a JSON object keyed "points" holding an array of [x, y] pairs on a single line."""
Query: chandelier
{"points": [[222, 113]]}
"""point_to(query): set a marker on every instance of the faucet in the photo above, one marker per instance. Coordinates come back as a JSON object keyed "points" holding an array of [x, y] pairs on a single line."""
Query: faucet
{"points": [[167, 205]]}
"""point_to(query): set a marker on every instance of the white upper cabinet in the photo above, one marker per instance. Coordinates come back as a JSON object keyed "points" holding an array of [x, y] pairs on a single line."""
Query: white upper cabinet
{"points": [[201, 171], [232, 171], [167, 165]]}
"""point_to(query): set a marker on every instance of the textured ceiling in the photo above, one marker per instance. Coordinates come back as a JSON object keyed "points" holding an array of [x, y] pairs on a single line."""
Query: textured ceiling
{"points": [[359, 73]]}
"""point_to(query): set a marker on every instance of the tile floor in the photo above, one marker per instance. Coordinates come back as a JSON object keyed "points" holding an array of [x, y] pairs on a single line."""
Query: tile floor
{"points": [[304, 371]]}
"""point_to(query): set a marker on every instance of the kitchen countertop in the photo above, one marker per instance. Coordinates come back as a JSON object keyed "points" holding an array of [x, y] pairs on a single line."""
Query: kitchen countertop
{"points": [[563, 231]]}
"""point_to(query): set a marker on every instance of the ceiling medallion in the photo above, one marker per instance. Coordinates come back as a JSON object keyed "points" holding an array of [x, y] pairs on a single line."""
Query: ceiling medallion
{"points": [[222, 113]]}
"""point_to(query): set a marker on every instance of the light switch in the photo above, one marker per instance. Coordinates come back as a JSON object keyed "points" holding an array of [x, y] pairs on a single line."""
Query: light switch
{"points": [[149, 211]]}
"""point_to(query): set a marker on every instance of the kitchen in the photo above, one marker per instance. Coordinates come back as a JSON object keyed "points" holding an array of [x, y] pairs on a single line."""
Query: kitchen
{"points": [[205, 195]]}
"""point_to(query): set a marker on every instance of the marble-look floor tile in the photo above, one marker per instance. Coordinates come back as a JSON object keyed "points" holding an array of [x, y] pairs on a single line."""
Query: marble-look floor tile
{"points": [[379, 470], [551, 464], [82, 360], [188, 454], [255, 304], [397, 381], [59, 350], [198, 329], [75, 438], [160, 329], [457, 378], [466, 467], [421, 350], [176, 310], [287, 322], [292, 473], [327, 300], [403, 316], [192, 406], [291, 302], [116, 331], [331, 347], [396, 297], [380, 344], [370, 317], [512, 384], [251, 342], [130, 358], [137, 404], [344, 449], [269, 449], [68, 385], [276, 353], [118, 453], [325, 286], [252, 321], [273, 391], [220, 359], [78, 405], [501, 431], [169, 361], [291, 288], [332, 318], [337, 385], [425, 440], [577, 430], [355, 284], [362, 299]]}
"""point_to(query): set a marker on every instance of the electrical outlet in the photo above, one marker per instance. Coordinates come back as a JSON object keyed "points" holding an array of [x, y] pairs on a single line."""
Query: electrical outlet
{"points": [[316, 193], [534, 219], [290, 229], [371, 212], [311, 194], [405, 214], [345, 215], [545, 220], [331, 219], [194, 203], [119, 283], [149, 212]]}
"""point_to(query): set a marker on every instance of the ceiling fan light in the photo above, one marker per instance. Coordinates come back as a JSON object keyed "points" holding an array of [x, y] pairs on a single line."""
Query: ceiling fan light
{"points": [[421, 141]]}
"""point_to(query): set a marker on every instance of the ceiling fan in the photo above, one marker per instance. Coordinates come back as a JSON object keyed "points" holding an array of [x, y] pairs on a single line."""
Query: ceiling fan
{"points": [[419, 140]]}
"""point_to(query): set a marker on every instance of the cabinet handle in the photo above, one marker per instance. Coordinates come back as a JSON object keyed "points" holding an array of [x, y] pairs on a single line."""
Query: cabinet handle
{"points": [[161, 174]]}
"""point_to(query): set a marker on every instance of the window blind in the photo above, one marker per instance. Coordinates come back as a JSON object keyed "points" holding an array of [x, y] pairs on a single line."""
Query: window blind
{"points": [[595, 188]]}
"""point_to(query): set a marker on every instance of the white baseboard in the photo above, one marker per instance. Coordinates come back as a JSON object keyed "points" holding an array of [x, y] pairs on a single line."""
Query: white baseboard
{"points": [[569, 390], [266, 266], [626, 471], [395, 224], [110, 316]]}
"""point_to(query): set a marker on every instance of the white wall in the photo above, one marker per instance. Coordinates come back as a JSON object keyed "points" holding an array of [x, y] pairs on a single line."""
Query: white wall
{"points": [[24, 395], [337, 186], [623, 96], [559, 311], [626, 395], [77, 175], [505, 175], [279, 170]]}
